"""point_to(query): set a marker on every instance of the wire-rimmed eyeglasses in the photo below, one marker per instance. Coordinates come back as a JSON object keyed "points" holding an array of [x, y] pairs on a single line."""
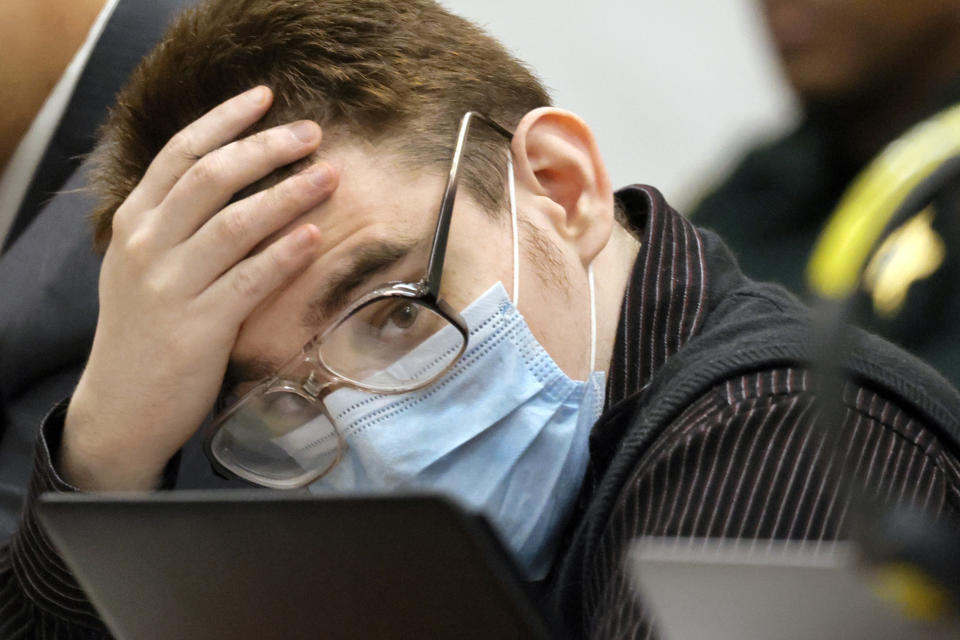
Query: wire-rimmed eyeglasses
{"points": [[400, 337]]}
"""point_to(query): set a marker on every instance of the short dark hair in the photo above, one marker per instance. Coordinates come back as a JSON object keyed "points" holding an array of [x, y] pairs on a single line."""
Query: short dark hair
{"points": [[398, 74]]}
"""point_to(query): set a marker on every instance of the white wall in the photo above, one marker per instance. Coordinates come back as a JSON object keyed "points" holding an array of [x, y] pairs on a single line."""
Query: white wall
{"points": [[673, 89]]}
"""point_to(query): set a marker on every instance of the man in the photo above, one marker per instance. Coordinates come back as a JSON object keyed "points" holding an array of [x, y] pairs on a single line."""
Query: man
{"points": [[295, 265], [864, 72]]}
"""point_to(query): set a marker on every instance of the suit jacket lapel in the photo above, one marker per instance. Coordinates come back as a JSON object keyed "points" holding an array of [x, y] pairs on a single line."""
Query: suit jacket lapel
{"points": [[132, 30]]}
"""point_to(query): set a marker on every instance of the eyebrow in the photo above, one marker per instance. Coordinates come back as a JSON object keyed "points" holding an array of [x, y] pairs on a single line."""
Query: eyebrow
{"points": [[366, 262], [363, 265]]}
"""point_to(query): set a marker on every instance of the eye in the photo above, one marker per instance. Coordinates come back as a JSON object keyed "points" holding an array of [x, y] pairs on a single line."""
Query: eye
{"points": [[383, 329], [398, 324], [404, 315]]}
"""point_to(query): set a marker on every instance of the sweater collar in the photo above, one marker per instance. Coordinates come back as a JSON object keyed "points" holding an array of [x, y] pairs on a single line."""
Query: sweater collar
{"points": [[665, 302]]}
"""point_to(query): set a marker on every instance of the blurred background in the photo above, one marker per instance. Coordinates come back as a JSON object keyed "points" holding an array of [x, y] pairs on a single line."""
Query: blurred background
{"points": [[674, 91]]}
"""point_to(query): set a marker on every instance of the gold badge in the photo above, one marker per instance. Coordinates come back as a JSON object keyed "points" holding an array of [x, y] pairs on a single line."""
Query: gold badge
{"points": [[914, 251]]}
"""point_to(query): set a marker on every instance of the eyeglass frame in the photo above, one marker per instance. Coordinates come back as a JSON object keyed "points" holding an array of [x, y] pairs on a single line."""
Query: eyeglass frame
{"points": [[425, 291]]}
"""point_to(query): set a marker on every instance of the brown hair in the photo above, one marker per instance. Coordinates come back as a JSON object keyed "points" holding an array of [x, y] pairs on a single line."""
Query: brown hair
{"points": [[394, 73]]}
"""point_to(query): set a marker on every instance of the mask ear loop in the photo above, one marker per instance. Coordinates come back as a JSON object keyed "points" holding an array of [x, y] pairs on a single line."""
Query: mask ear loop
{"points": [[513, 228], [593, 320]]}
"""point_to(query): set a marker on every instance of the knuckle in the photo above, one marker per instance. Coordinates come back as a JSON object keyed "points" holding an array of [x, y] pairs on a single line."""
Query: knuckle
{"points": [[137, 244], [234, 224], [263, 144], [158, 287], [183, 146], [281, 261], [262, 141], [285, 261], [120, 223], [278, 202], [209, 170], [276, 198], [246, 282]]}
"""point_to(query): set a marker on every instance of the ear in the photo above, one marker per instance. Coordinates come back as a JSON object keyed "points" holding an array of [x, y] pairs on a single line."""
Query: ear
{"points": [[561, 175]]}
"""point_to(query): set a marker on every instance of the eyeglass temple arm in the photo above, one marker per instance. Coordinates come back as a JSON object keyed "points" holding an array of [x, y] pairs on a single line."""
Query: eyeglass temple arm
{"points": [[435, 265]]}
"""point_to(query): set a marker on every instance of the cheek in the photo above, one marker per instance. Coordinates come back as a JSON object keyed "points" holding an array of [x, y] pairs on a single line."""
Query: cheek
{"points": [[559, 320], [461, 285], [477, 257]]}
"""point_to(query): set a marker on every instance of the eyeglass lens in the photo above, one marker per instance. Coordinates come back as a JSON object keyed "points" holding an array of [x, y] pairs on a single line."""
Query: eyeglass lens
{"points": [[283, 436], [391, 344], [278, 435]]}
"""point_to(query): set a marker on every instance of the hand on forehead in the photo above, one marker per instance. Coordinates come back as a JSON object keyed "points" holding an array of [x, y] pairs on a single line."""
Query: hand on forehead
{"points": [[377, 227]]}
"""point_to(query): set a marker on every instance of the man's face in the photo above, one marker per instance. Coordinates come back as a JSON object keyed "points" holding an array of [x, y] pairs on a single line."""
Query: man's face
{"points": [[840, 50], [380, 222]]}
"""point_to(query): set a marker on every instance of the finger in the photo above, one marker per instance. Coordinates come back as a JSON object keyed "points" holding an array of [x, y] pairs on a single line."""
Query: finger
{"points": [[236, 230], [211, 131], [210, 183], [235, 295]]}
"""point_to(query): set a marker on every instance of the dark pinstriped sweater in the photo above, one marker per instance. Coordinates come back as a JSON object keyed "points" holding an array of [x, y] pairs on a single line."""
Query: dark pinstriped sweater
{"points": [[691, 443], [709, 426]]}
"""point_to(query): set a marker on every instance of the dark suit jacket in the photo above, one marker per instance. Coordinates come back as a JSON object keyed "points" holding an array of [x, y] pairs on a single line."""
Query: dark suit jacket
{"points": [[48, 271]]}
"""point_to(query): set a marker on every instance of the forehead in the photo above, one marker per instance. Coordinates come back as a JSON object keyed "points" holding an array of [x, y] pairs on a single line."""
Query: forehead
{"points": [[378, 193], [379, 201]]}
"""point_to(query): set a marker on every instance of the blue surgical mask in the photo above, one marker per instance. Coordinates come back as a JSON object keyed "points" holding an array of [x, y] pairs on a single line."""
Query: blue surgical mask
{"points": [[504, 432]]}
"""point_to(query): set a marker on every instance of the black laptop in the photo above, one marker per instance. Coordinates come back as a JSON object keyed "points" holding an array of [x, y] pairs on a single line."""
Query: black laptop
{"points": [[263, 564]]}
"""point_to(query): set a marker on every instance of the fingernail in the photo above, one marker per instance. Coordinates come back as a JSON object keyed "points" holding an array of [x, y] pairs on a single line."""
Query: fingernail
{"points": [[305, 130], [258, 95], [318, 174]]}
